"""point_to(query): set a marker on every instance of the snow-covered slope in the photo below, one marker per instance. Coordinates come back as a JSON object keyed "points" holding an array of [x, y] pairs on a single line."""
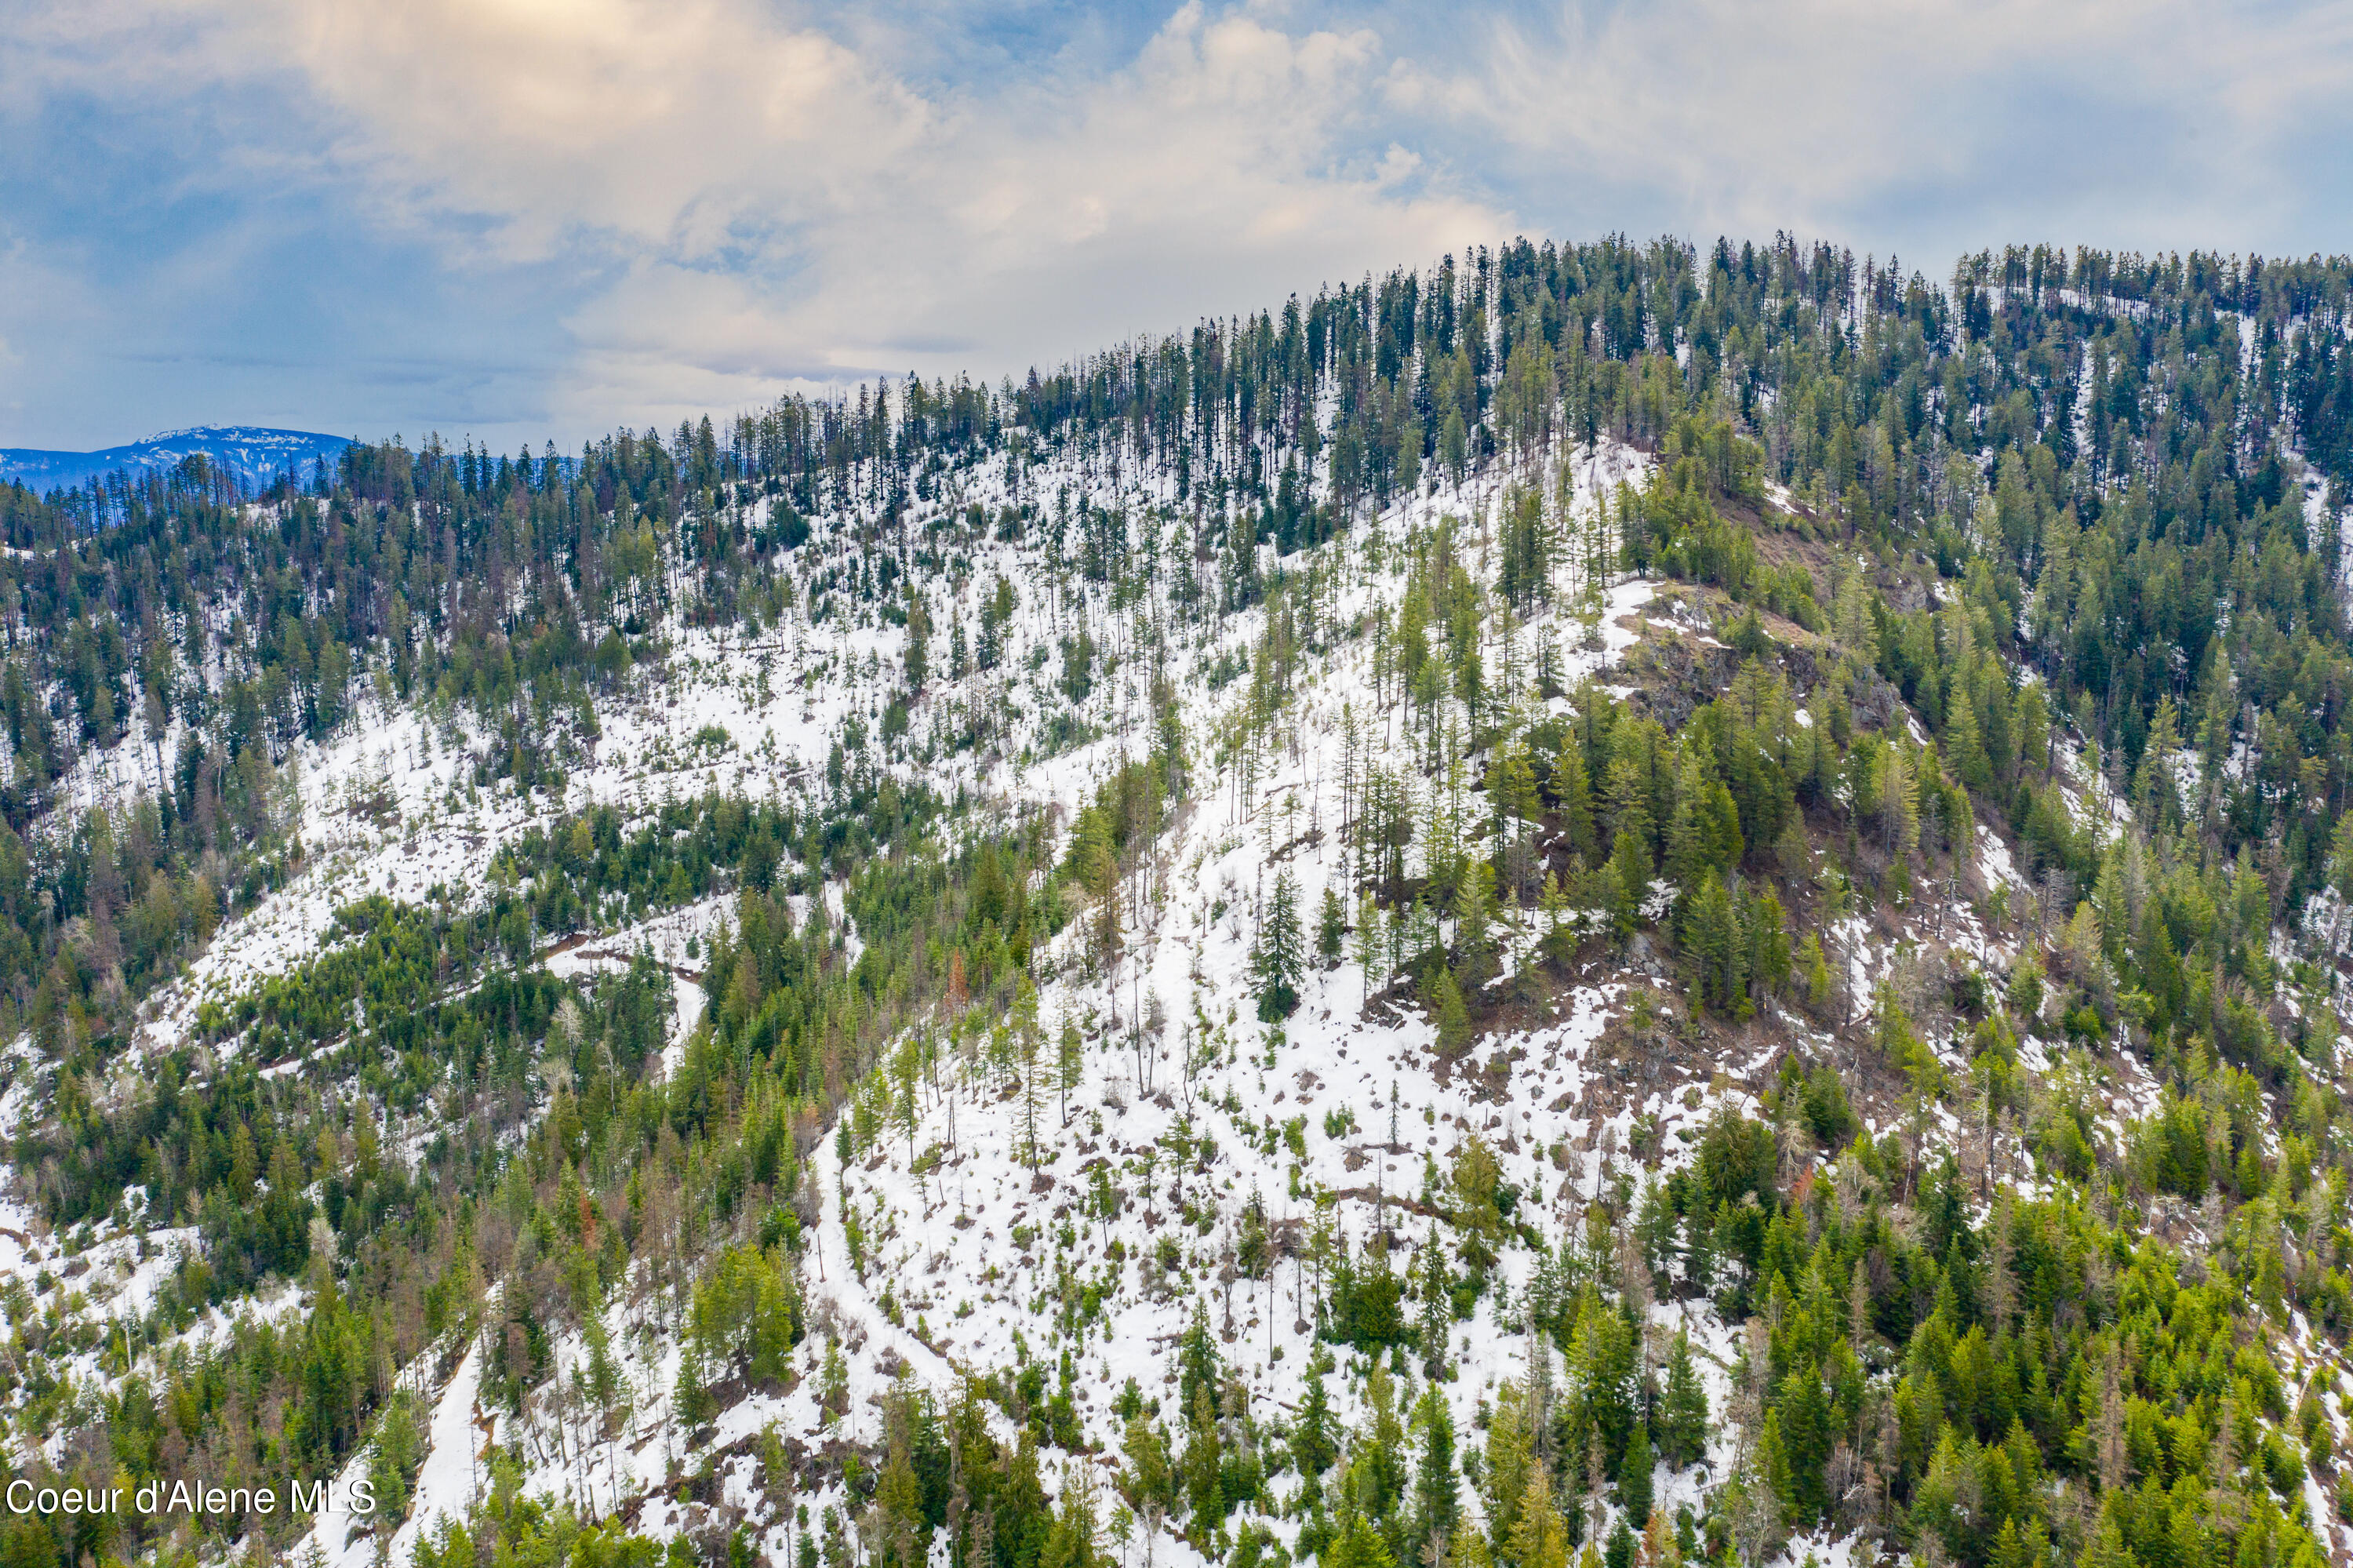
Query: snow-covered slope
{"points": [[1185, 1167]]}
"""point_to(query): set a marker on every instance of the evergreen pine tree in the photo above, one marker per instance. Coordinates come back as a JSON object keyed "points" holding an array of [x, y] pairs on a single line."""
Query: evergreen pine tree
{"points": [[1506, 1468], [1197, 1358], [1148, 1475], [1436, 1505], [1805, 1429], [1372, 946], [1621, 1553], [1771, 1464], [899, 1498], [1071, 1540], [1473, 945], [1687, 857], [1629, 799], [919, 632], [1816, 964], [1515, 788], [692, 1398], [1683, 1412], [1539, 1536], [1634, 1473], [1277, 964], [1380, 1471], [1071, 1065], [1963, 742], [1359, 1545], [1437, 1307], [1409, 457], [1203, 1465], [1765, 933], [1573, 798], [1314, 1442], [1454, 1018], [1629, 882]]}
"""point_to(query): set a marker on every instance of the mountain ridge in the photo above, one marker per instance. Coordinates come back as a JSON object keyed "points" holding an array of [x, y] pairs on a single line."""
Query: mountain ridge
{"points": [[252, 454], [1619, 905]]}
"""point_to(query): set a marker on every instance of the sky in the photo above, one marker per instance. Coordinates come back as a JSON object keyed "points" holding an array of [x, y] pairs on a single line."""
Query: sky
{"points": [[523, 220]]}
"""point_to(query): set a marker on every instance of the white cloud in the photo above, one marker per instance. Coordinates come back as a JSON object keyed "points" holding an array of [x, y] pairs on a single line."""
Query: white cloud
{"points": [[2164, 119], [765, 205], [680, 127], [1213, 174], [710, 200]]}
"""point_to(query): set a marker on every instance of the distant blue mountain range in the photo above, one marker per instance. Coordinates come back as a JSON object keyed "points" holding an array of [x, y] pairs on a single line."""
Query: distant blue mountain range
{"points": [[255, 456]]}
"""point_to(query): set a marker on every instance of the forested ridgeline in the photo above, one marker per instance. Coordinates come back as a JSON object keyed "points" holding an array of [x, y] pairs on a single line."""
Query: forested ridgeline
{"points": [[2104, 441], [2058, 503]]}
